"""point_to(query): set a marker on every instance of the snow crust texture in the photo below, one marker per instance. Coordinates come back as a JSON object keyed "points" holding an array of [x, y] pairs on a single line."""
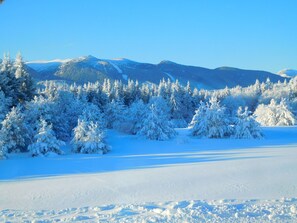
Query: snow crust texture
{"points": [[283, 210]]}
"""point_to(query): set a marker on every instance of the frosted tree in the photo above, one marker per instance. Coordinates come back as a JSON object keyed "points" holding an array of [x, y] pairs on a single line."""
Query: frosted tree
{"points": [[89, 138], [136, 114], [25, 84], [8, 83], [210, 120], [4, 106], [14, 133], [177, 106], [92, 113], [275, 114], [285, 116], [116, 114], [45, 141], [246, 127], [156, 124]]}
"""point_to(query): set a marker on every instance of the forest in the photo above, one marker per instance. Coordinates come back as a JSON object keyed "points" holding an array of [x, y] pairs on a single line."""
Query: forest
{"points": [[40, 117]]}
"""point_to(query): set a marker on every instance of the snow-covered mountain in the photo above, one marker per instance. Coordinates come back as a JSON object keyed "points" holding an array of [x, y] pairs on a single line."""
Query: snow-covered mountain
{"points": [[288, 73], [90, 68]]}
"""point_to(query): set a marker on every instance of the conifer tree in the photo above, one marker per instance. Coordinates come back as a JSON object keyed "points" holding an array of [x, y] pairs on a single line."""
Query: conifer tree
{"points": [[45, 141], [14, 135], [211, 121], [246, 127], [89, 137], [156, 124], [25, 84]]}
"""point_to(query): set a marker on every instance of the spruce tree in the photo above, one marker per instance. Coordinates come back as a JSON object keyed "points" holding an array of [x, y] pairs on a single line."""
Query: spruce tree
{"points": [[89, 137], [211, 121], [14, 135], [245, 126], [156, 124], [45, 141], [25, 84]]}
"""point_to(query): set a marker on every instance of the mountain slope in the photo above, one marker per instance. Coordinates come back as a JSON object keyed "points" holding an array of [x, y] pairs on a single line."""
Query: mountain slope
{"points": [[89, 68], [288, 73]]}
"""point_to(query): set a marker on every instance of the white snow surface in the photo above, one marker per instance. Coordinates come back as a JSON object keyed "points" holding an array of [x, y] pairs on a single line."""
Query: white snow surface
{"points": [[182, 180]]}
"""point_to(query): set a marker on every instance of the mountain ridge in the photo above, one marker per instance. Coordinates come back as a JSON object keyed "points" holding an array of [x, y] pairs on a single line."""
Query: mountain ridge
{"points": [[89, 69]]}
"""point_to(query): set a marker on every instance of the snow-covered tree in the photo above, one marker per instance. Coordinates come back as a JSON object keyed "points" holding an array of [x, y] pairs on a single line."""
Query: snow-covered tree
{"points": [[245, 126], [14, 133], [136, 114], [25, 84], [156, 124], [116, 114], [8, 83], [275, 114], [211, 121], [4, 106], [45, 141], [89, 138], [92, 113]]}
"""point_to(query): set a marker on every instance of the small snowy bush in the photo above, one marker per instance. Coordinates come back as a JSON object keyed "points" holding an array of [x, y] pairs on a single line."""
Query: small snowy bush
{"points": [[246, 127], [45, 141]]}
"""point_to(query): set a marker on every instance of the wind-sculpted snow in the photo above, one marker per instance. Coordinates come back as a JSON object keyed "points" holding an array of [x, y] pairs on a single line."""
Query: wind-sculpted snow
{"points": [[283, 210]]}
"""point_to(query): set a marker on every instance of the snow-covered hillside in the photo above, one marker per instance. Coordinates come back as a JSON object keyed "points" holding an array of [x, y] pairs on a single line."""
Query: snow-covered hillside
{"points": [[183, 179], [288, 73]]}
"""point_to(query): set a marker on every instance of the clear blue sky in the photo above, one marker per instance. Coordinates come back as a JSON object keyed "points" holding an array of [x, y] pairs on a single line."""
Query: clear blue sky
{"points": [[253, 34]]}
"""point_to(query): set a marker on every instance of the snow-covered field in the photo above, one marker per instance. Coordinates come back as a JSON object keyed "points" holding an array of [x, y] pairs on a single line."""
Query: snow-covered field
{"points": [[181, 180]]}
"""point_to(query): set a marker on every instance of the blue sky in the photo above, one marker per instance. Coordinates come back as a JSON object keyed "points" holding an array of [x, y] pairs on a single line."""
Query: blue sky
{"points": [[254, 34]]}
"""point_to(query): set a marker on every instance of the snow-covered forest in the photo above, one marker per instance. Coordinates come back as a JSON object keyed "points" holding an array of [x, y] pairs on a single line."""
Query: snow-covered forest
{"points": [[40, 117]]}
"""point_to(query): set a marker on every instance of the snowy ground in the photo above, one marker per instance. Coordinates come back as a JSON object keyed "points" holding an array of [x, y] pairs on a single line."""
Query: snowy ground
{"points": [[182, 180]]}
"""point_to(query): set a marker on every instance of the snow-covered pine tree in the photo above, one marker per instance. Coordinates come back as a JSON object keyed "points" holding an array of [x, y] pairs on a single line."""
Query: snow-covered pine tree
{"points": [[79, 135], [116, 115], [92, 113], [8, 83], [211, 121], [45, 141], [89, 138], [95, 140], [156, 124], [4, 106], [25, 84], [285, 116], [245, 126], [14, 135], [136, 114]]}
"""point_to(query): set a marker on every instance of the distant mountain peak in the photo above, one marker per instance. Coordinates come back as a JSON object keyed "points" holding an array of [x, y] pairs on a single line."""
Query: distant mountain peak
{"points": [[167, 62], [226, 68]]}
